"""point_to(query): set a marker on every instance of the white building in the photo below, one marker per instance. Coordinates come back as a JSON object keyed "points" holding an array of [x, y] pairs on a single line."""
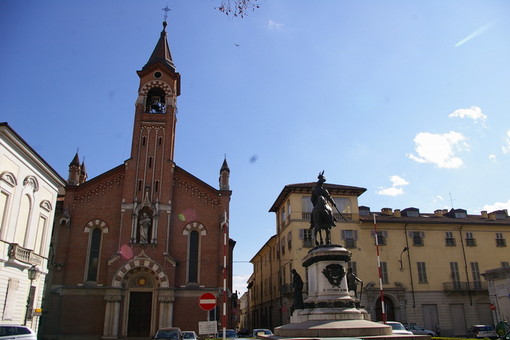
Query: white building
{"points": [[29, 188]]}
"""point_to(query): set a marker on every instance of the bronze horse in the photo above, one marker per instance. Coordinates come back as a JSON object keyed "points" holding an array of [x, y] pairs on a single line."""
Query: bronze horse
{"points": [[322, 219]]}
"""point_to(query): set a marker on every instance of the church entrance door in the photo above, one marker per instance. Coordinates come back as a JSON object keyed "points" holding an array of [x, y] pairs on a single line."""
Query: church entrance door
{"points": [[140, 310]]}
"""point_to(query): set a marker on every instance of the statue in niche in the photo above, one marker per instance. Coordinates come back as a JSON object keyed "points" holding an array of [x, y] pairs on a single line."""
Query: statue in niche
{"points": [[297, 285], [144, 225]]}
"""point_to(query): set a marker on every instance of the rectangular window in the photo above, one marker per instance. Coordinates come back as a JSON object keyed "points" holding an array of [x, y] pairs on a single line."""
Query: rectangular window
{"points": [[449, 239], [475, 273], [289, 240], [307, 236], [384, 273], [350, 237], [470, 240], [454, 271], [500, 241], [422, 272], [381, 238], [417, 237]]}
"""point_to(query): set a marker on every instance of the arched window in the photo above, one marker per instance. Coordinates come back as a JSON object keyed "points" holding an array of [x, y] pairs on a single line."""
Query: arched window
{"points": [[93, 256], [194, 240], [155, 101]]}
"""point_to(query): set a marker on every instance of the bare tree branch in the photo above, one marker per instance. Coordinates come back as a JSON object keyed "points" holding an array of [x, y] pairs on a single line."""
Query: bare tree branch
{"points": [[237, 8]]}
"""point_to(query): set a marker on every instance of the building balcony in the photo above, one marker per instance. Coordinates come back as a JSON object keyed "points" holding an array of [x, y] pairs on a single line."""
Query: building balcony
{"points": [[306, 216], [464, 287], [19, 254]]}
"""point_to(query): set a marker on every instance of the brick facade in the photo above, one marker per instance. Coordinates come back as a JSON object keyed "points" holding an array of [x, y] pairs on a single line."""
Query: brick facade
{"points": [[136, 246]]}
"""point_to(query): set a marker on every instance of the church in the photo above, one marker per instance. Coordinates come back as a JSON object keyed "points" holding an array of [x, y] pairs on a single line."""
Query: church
{"points": [[135, 247]]}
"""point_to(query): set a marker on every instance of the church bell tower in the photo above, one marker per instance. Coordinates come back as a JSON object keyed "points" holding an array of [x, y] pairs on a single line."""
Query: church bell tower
{"points": [[149, 170]]}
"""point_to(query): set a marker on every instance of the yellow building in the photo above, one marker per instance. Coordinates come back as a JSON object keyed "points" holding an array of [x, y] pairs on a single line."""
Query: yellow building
{"points": [[430, 262]]}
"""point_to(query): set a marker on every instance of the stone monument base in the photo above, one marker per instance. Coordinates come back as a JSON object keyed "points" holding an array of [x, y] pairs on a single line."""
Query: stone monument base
{"points": [[333, 329]]}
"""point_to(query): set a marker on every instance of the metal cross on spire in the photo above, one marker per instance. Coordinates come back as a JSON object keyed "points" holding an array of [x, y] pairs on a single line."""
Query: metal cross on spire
{"points": [[166, 9]]}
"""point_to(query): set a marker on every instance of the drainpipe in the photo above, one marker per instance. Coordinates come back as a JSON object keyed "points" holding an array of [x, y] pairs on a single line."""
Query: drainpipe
{"points": [[465, 265], [409, 261]]}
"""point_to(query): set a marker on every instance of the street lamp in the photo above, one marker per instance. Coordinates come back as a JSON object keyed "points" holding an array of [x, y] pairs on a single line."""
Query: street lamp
{"points": [[33, 272], [403, 251]]}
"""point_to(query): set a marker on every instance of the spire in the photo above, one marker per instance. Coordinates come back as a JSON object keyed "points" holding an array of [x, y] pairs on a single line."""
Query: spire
{"points": [[161, 52], [75, 161], [83, 172], [225, 176], [74, 171]]}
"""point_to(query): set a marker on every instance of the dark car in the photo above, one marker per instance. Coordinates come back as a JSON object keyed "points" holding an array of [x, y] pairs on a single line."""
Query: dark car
{"points": [[170, 333], [419, 330]]}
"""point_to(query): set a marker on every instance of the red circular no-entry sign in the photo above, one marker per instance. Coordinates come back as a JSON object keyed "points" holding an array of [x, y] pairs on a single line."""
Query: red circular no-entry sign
{"points": [[207, 301]]}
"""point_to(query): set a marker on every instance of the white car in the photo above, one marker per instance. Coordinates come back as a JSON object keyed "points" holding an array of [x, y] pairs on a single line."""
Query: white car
{"points": [[261, 331], [17, 332], [189, 335], [398, 328]]}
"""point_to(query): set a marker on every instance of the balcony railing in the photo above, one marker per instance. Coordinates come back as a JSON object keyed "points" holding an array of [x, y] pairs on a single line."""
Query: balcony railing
{"points": [[306, 216], [17, 252], [475, 286]]}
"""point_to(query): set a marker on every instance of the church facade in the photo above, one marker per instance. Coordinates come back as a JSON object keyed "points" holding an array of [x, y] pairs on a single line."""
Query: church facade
{"points": [[135, 247]]}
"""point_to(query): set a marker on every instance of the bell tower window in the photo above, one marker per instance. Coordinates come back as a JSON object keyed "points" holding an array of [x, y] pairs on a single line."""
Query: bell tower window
{"points": [[156, 101]]}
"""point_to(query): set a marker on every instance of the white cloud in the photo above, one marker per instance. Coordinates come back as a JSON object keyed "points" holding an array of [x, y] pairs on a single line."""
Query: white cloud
{"points": [[273, 25], [398, 181], [239, 283], [497, 206], [475, 34], [492, 157], [506, 148], [439, 149], [392, 191], [474, 112], [395, 189]]}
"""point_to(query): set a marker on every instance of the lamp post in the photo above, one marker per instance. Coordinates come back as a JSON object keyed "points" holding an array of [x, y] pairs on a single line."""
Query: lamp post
{"points": [[32, 275]]}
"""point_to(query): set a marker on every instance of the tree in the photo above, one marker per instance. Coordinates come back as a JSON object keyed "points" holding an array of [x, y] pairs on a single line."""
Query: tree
{"points": [[237, 8]]}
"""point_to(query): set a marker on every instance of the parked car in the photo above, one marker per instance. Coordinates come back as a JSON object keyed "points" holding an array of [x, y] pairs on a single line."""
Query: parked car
{"points": [[230, 333], [482, 331], [261, 331], [419, 330], [171, 333], [189, 335], [398, 328], [17, 332]]}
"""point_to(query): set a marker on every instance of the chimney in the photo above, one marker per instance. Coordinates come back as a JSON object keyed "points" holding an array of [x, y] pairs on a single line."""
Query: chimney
{"points": [[397, 213], [387, 211], [438, 213], [484, 214]]}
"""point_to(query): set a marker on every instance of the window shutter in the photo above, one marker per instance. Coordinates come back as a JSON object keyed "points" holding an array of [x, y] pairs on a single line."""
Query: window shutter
{"points": [[355, 234], [343, 234]]}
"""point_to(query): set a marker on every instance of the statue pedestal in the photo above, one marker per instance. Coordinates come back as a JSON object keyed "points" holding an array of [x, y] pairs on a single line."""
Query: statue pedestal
{"points": [[330, 311]]}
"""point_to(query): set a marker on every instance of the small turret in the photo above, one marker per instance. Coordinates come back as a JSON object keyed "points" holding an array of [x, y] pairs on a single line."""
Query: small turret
{"points": [[224, 176], [74, 171], [83, 172]]}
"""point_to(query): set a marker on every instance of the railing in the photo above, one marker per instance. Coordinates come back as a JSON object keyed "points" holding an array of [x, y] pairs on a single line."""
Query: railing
{"points": [[475, 286], [17, 252], [306, 216]]}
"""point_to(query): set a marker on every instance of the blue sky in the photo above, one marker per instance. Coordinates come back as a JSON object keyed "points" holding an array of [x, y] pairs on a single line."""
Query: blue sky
{"points": [[409, 99]]}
